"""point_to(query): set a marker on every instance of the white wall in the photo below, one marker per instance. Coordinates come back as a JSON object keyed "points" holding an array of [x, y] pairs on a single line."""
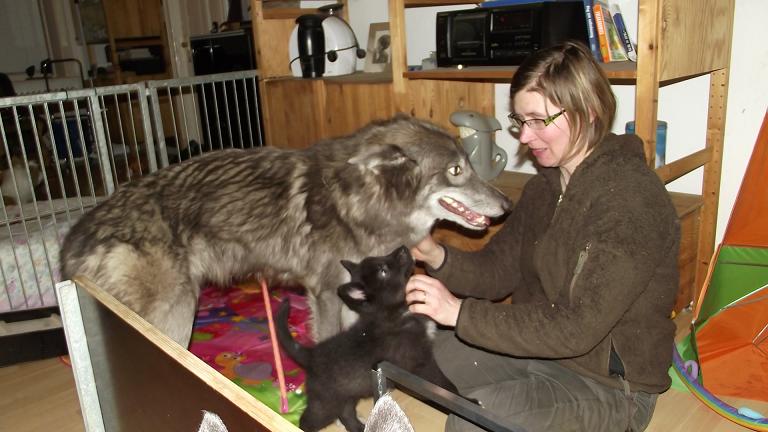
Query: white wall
{"points": [[747, 99], [682, 105]]}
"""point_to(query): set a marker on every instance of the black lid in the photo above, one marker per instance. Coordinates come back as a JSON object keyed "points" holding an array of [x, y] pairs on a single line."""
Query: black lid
{"points": [[310, 20]]}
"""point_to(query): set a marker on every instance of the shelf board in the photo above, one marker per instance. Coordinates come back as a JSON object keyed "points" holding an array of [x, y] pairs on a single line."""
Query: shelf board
{"points": [[133, 42], [363, 78], [615, 71], [287, 13], [356, 78], [421, 3]]}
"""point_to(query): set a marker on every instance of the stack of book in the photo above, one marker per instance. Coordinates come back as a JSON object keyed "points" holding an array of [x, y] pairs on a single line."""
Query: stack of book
{"points": [[608, 36]]}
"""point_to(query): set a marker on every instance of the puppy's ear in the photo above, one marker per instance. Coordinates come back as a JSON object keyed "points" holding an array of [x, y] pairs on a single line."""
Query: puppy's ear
{"points": [[350, 266], [353, 295]]}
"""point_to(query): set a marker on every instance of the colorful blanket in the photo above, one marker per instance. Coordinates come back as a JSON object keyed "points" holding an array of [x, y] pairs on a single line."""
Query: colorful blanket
{"points": [[231, 334]]}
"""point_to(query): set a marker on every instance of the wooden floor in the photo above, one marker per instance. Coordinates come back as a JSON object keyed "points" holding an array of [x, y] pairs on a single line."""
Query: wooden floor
{"points": [[40, 396]]}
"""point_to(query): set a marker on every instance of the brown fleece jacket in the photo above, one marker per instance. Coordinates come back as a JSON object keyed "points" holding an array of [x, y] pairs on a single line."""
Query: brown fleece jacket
{"points": [[598, 269]]}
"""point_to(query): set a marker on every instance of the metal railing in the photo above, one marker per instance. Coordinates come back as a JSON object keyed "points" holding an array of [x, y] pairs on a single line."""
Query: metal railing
{"points": [[387, 374], [63, 152]]}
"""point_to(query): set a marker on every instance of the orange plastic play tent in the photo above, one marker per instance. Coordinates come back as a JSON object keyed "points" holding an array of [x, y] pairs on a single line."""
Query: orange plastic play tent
{"points": [[726, 353]]}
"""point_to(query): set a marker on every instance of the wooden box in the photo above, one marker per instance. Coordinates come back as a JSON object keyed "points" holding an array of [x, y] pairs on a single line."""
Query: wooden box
{"points": [[131, 377]]}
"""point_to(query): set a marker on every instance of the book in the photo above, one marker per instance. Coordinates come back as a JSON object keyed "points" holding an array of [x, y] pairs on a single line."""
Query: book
{"points": [[602, 37], [621, 28], [615, 45], [594, 45]]}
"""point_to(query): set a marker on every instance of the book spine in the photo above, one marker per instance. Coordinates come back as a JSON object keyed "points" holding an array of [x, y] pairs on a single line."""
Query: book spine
{"points": [[594, 45], [602, 38], [621, 28]]}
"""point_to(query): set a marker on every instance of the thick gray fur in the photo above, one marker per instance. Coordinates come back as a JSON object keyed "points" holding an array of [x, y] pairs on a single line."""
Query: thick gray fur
{"points": [[284, 214]]}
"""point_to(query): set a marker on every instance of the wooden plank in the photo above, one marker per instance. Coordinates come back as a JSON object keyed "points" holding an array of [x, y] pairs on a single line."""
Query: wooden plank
{"points": [[270, 39], [355, 105], [286, 13], [686, 259], [292, 112], [684, 165], [718, 96], [706, 25], [614, 71], [398, 48], [647, 89], [134, 18], [39, 396], [420, 3], [146, 381], [437, 100], [361, 78]]}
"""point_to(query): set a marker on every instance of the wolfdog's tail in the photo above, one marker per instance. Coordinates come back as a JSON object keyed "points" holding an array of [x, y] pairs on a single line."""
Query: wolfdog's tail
{"points": [[295, 350]]}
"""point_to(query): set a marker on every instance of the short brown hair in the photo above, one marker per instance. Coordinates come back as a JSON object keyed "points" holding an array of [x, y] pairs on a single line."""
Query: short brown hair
{"points": [[568, 76]]}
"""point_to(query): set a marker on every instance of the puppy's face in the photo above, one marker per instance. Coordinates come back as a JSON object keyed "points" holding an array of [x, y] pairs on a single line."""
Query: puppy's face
{"points": [[377, 283]]}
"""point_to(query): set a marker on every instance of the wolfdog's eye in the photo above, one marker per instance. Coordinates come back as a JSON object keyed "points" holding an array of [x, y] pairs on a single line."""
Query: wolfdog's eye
{"points": [[454, 170]]}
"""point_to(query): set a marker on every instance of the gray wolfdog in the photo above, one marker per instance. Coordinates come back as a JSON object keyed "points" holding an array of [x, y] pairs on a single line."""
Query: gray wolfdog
{"points": [[283, 214]]}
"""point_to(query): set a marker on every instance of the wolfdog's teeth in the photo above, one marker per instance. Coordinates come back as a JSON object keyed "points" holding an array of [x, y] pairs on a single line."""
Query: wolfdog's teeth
{"points": [[449, 200]]}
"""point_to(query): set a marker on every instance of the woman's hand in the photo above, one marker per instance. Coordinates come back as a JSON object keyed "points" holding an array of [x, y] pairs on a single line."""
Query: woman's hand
{"points": [[428, 296], [429, 252]]}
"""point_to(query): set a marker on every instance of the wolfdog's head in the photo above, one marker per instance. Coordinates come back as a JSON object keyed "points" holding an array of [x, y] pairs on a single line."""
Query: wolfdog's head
{"points": [[377, 284], [413, 166]]}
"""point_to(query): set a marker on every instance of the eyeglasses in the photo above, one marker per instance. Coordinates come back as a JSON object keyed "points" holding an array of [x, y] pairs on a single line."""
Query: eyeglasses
{"points": [[534, 123]]}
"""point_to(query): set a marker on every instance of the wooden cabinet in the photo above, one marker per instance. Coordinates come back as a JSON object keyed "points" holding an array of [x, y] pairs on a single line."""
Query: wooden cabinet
{"points": [[134, 18], [137, 39]]}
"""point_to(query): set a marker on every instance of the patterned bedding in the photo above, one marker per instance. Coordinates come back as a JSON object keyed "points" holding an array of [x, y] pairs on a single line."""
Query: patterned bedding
{"points": [[29, 251], [231, 334]]}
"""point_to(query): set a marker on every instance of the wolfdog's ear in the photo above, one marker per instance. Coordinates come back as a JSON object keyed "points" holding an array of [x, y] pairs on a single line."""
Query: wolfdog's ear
{"points": [[353, 295], [381, 157]]}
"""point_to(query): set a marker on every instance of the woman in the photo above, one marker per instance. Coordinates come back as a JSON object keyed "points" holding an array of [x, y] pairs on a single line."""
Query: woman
{"points": [[588, 257]]}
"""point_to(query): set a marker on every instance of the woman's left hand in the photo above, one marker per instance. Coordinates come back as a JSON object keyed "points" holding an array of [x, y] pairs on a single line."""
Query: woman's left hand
{"points": [[428, 296]]}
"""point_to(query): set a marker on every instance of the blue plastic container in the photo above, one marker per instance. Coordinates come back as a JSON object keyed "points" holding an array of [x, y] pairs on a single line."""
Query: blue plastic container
{"points": [[60, 134], [661, 139]]}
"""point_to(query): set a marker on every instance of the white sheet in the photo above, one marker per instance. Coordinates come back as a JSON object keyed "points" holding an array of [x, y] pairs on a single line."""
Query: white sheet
{"points": [[29, 250]]}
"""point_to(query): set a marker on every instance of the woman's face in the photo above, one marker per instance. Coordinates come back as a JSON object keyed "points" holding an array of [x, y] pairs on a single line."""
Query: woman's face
{"points": [[551, 144]]}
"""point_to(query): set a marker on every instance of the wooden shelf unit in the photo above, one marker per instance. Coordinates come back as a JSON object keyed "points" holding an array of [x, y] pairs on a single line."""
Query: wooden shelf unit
{"points": [[677, 40]]}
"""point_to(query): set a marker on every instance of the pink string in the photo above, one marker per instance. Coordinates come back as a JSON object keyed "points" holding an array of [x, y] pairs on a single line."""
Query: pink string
{"points": [[275, 349]]}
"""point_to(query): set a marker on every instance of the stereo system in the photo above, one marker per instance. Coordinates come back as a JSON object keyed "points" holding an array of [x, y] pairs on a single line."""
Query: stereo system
{"points": [[506, 35]]}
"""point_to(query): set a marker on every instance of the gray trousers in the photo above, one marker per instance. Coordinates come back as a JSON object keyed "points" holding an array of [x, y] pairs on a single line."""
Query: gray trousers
{"points": [[537, 395]]}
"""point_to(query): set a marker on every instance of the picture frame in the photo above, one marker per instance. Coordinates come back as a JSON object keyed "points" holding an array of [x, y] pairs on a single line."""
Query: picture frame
{"points": [[378, 55]]}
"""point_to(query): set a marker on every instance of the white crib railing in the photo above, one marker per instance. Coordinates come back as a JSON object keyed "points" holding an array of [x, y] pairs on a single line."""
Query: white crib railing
{"points": [[62, 153]]}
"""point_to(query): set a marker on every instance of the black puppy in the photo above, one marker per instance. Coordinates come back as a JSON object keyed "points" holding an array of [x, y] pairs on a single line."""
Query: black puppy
{"points": [[339, 369]]}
